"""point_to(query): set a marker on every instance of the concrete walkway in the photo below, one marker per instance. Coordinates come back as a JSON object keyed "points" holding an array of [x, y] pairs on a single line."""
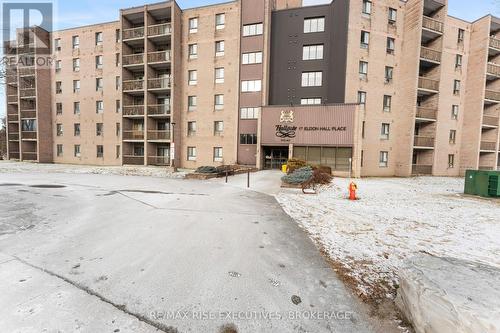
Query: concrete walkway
{"points": [[265, 181]]}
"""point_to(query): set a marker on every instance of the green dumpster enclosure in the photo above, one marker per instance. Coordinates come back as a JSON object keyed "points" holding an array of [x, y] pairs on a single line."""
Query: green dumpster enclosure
{"points": [[483, 183]]}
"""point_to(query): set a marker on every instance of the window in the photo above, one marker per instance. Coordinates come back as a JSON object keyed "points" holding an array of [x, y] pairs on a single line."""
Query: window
{"points": [[310, 101], [248, 139], [193, 25], [58, 66], [76, 107], [461, 35], [118, 129], [251, 86], [454, 112], [218, 128], [365, 39], [312, 52], [191, 128], [191, 153], [393, 14], [391, 45], [219, 48], [75, 41], [100, 151], [99, 129], [76, 65], [249, 113], [384, 159], [312, 79], [362, 97], [76, 128], [118, 151], [217, 154], [77, 151], [98, 38], [57, 44], [99, 107], [363, 70], [59, 108], [98, 62], [117, 83], [59, 150], [118, 105], [253, 29], [59, 129], [453, 136], [458, 61], [220, 21], [387, 103], [219, 102], [389, 71], [367, 7], [219, 75], [192, 101], [193, 51], [451, 161], [58, 87], [28, 125], [98, 84], [76, 86], [117, 35], [192, 77], [456, 87], [117, 59], [384, 133], [315, 24], [252, 58], [363, 129]]}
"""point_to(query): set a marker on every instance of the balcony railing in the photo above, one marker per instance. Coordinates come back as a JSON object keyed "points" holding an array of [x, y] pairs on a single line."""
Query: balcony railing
{"points": [[432, 24], [14, 155], [133, 85], [30, 156], [133, 160], [133, 110], [28, 114], [159, 83], [426, 113], [159, 110], [159, 160], [495, 43], [423, 141], [133, 135], [27, 71], [160, 29], [492, 95], [421, 169], [428, 84], [430, 54], [159, 135], [28, 92], [488, 145], [12, 117], [11, 98], [133, 33], [11, 79], [161, 56], [133, 59], [29, 135], [490, 120], [13, 136], [493, 69]]}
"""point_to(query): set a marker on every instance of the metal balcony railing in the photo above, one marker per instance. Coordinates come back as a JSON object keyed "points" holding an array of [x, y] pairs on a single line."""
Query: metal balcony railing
{"points": [[30, 156], [492, 95], [428, 84], [133, 85], [493, 69], [133, 110], [133, 135], [426, 113], [29, 135], [160, 29], [159, 160], [488, 145], [430, 54], [133, 59], [432, 24], [494, 43], [490, 120], [27, 71], [11, 98], [161, 56], [133, 160], [159, 83], [421, 169], [159, 109], [423, 141], [28, 114], [13, 136], [133, 33], [28, 92], [163, 135]]}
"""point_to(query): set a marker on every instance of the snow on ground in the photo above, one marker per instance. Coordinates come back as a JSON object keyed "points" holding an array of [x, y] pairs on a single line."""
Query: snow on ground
{"points": [[10, 166], [396, 218]]}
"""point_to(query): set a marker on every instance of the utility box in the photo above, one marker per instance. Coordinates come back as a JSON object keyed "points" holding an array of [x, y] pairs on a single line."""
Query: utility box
{"points": [[483, 183]]}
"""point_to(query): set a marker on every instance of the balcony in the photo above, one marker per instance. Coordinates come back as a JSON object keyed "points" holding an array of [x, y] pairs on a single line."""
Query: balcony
{"points": [[28, 135], [431, 29], [159, 83], [421, 169], [493, 71], [133, 135], [159, 160], [492, 96], [11, 80], [12, 118], [159, 110], [133, 160], [30, 156], [158, 30], [428, 86], [488, 146], [490, 121], [430, 55], [14, 155], [13, 136], [133, 110], [27, 71], [426, 114], [494, 43], [133, 86], [159, 57], [133, 33], [12, 99], [133, 60], [163, 135], [425, 142], [28, 114], [28, 93]]}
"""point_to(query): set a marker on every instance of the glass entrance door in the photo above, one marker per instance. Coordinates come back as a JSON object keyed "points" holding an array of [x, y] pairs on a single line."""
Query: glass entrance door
{"points": [[275, 157]]}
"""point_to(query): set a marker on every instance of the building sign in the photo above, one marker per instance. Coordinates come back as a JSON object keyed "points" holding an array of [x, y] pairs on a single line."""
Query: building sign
{"points": [[312, 125]]}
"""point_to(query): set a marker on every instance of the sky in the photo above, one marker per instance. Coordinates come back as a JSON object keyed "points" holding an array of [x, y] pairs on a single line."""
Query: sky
{"points": [[71, 13]]}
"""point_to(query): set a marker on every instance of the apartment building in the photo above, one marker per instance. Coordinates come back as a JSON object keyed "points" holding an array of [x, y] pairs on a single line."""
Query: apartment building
{"points": [[378, 88]]}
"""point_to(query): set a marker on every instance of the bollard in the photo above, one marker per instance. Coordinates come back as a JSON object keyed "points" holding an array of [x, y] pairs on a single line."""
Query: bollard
{"points": [[248, 179], [226, 174]]}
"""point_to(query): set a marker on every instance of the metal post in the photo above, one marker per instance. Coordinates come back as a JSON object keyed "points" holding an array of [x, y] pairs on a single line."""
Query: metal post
{"points": [[248, 178], [226, 174]]}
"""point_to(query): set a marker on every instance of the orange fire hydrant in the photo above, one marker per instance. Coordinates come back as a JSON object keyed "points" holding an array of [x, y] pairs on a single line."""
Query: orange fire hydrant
{"points": [[352, 191]]}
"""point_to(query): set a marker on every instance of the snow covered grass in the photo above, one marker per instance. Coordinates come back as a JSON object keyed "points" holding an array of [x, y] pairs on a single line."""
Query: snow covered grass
{"points": [[10, 166], [369, 239]]}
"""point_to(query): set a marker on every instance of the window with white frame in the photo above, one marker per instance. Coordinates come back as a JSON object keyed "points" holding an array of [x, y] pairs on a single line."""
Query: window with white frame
{"points": [[193, 25], [362, 97], [461, 35], [192, 101], [99, 84], [312, 79], [58, 66], [217, 154], [384, 133], [193, 51], [77, 151], [76, 129], [99, 129], [76, 64], [59, 129], [191, 153], [252, 58], [117, 129], [75, 42], [218, 128], [98, 38], [57, 44], [393, 15], [117, 82], [451, 161], [363, 70], [456, 87], [100, 151], [118, 106], [249, 113], [391, 45], [76, 86], [310, 101], [76, 107], [314, 24], [384, 159], [219, 75], [248, 139], [253, 29], [219, 48], [312, 52], [387, 103], [192, 77], [453, 136], [251, 86], [367, 7], [59, 87], [458, 61], [220, 21], [59, 108], [454, 112], [191, 128], [365, 39], [389, 72], [59, 150], [98, 62], [219, 102], [99, 107]]}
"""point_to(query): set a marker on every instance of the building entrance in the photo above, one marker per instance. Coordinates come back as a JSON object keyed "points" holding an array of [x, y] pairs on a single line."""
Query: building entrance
{"points": [[275, 157]]}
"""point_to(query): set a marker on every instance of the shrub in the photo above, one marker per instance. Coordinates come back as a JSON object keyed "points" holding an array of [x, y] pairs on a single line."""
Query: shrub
{"points": [[206, 169], [298, 176], [323, 169], [294, 164]]}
